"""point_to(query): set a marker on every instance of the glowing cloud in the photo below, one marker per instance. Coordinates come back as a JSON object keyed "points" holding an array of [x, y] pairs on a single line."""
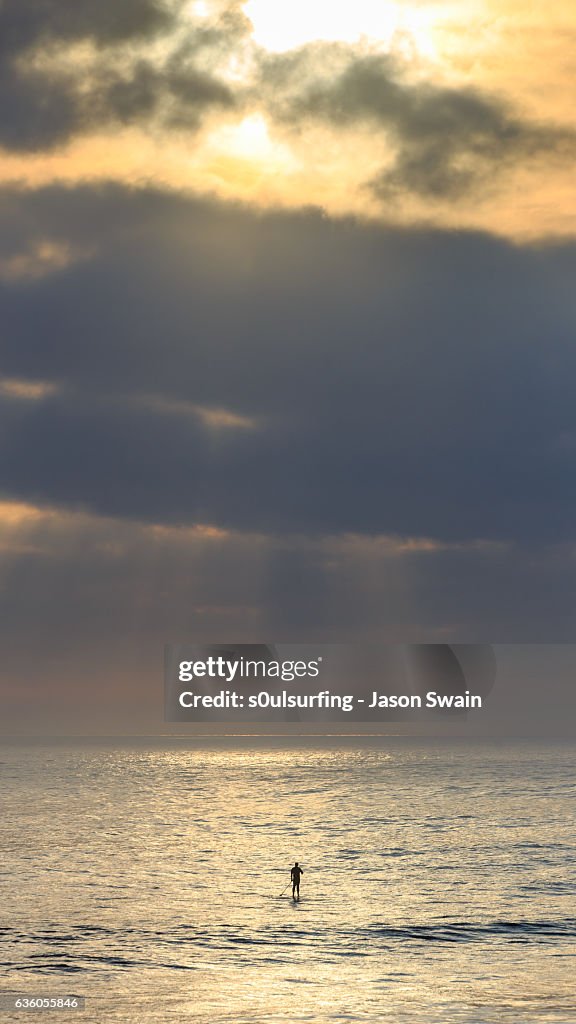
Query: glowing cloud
{"points": [[27, 390]]}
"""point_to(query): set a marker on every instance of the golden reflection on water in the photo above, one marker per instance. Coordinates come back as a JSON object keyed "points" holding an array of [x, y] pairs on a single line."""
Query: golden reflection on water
{"points": [[435, 888]]}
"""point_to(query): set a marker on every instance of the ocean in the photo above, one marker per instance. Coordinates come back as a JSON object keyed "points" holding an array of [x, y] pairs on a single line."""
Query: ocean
{"points": [[439, 881]]}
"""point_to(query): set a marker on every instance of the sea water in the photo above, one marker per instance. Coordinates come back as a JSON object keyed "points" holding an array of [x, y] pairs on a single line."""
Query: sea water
{"points": [[439, 881]]}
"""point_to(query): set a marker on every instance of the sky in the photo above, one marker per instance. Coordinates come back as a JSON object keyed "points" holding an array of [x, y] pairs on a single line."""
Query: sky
{"points": [[288, 326]]}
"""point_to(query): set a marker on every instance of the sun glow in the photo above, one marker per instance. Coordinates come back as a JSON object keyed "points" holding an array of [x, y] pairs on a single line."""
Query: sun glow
{"points": [[248, 139], [279, 27], [249, 143]]}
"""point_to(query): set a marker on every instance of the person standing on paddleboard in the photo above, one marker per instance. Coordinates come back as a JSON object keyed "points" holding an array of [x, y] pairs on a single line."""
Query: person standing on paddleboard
{"points": [[295, 878]]}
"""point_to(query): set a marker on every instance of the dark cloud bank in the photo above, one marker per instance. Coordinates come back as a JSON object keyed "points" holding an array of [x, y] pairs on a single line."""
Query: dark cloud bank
{"points": [[410, 382]]}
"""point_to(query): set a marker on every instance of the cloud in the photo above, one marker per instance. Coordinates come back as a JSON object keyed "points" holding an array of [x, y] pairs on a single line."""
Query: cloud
{"points": [[23, 25], [50, 92], [26, 390], [41, 258], [165, 69], [403, 382], [445, 141], [177, 93], [213, 418]]}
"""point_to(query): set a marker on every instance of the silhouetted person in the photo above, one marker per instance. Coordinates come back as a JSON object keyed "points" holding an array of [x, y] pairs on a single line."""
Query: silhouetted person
{"points": [[295, 877]]}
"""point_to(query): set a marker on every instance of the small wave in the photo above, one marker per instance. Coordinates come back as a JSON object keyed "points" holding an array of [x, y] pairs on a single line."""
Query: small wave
{"points": [[468, 932], [60, 967]]}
